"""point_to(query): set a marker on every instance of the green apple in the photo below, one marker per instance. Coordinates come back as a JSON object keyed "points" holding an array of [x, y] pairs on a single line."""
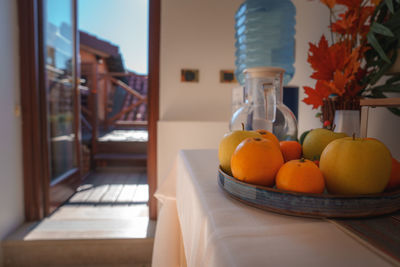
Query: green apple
{"points": [[356, 166], [228, 145], [316, 140]]}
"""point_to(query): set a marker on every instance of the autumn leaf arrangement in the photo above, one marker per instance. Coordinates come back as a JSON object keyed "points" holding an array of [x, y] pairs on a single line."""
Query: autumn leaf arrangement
{"points": [[353, 61]]}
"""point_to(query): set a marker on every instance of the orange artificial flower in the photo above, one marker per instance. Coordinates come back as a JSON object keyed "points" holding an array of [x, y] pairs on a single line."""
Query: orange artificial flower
{"points": [[347, 23], [353, 22], [338, 85], [337, 67]]}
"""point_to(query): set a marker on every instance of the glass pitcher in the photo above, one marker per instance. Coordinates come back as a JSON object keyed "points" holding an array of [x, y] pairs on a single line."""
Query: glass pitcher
{"points": [[263, 108]]}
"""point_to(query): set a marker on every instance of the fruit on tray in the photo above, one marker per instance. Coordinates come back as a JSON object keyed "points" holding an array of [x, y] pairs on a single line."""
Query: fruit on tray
{"points": [[356, 166], [256, 161], [268, 135], [303, 136], [316, 140], [342, 164], [228, 145], [394, 181], [290, 150], [302, 176]]}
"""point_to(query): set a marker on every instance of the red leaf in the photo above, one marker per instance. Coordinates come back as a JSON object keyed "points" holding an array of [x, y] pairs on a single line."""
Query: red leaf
{"points": [[325, 60], [317, 95], [320, 60]]}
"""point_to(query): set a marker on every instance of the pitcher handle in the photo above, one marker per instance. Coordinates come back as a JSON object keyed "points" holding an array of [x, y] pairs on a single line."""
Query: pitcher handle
{"points": [[270, 101]]}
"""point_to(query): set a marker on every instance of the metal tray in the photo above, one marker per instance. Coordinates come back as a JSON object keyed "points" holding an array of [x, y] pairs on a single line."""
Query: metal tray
{"points": [[309, 205]]}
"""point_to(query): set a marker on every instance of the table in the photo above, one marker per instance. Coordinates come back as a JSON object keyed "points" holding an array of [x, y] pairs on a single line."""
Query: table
{"points": [[200, 225]]}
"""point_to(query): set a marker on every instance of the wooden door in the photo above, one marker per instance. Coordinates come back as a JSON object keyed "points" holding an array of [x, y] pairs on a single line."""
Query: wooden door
{"points": [[61, 97], [50, 103]]}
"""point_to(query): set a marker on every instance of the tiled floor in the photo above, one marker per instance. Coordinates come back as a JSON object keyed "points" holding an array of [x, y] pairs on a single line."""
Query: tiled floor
{"points": [[111, 203]]}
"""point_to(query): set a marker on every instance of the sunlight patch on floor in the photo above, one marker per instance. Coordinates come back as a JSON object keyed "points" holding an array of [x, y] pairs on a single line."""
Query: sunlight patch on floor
{"points": [[106, 205], [50, 229], [125, 135]]}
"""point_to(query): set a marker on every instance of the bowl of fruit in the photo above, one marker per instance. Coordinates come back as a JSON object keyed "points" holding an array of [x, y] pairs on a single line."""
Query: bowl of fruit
{"points": [[325, 175]]}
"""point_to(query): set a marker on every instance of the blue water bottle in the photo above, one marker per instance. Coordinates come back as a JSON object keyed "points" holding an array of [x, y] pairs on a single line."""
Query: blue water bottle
{"points": [[264, 35]]}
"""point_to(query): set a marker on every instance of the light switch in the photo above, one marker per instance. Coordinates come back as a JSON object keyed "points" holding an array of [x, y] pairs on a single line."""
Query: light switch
{"points": [[17, 110]]}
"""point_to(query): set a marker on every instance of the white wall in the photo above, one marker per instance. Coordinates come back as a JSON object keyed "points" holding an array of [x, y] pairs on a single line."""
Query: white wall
{"points": [[11, 184], [200, 35], [312, 20]]}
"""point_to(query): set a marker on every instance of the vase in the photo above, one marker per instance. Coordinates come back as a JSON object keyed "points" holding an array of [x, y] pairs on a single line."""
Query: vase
{"points": [[343, 114], [347, 121]]}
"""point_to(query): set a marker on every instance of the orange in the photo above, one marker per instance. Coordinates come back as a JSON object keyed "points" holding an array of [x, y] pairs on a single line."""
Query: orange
{"points": [[394, 181], [256, 161], [300, 176], [291, 150], [268, 135]]}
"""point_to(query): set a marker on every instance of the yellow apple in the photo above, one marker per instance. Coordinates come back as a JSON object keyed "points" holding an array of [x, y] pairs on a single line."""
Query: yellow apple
{"points": [[228, 145], [316, 140], [356, 166]]}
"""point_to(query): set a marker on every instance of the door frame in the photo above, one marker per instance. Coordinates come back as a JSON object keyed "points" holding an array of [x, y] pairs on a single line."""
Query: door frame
{"points": [[153, 101], [35, 154], [33, 165]]}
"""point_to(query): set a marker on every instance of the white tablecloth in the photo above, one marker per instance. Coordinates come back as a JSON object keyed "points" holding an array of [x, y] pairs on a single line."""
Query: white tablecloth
{"points": [[219, 231]]}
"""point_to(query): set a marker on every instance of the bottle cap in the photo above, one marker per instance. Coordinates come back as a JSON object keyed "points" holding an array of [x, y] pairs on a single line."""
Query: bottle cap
{"points": [[259, 72]]}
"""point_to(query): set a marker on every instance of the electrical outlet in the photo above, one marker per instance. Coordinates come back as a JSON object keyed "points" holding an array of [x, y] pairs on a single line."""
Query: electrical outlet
{"points": [[189, 75], [227, 76]]}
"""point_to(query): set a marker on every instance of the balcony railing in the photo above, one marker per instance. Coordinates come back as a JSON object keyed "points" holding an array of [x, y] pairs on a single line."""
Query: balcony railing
{"points": [[111, 101]]}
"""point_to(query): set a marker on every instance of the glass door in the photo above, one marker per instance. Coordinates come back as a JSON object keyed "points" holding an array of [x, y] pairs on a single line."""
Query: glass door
{"points": [[60, 83]]}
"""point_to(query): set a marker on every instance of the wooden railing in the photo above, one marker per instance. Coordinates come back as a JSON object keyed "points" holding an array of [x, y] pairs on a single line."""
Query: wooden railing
{"points": [[104, 85], [109, 81]]}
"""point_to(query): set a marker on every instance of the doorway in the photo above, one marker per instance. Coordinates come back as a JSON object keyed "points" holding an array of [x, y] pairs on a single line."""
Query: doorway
{"points": [[41, 153], [115, 82]]}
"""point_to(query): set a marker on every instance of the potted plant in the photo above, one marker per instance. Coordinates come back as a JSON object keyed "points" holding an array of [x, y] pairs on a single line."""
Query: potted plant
{"points": [[363, 47]]}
